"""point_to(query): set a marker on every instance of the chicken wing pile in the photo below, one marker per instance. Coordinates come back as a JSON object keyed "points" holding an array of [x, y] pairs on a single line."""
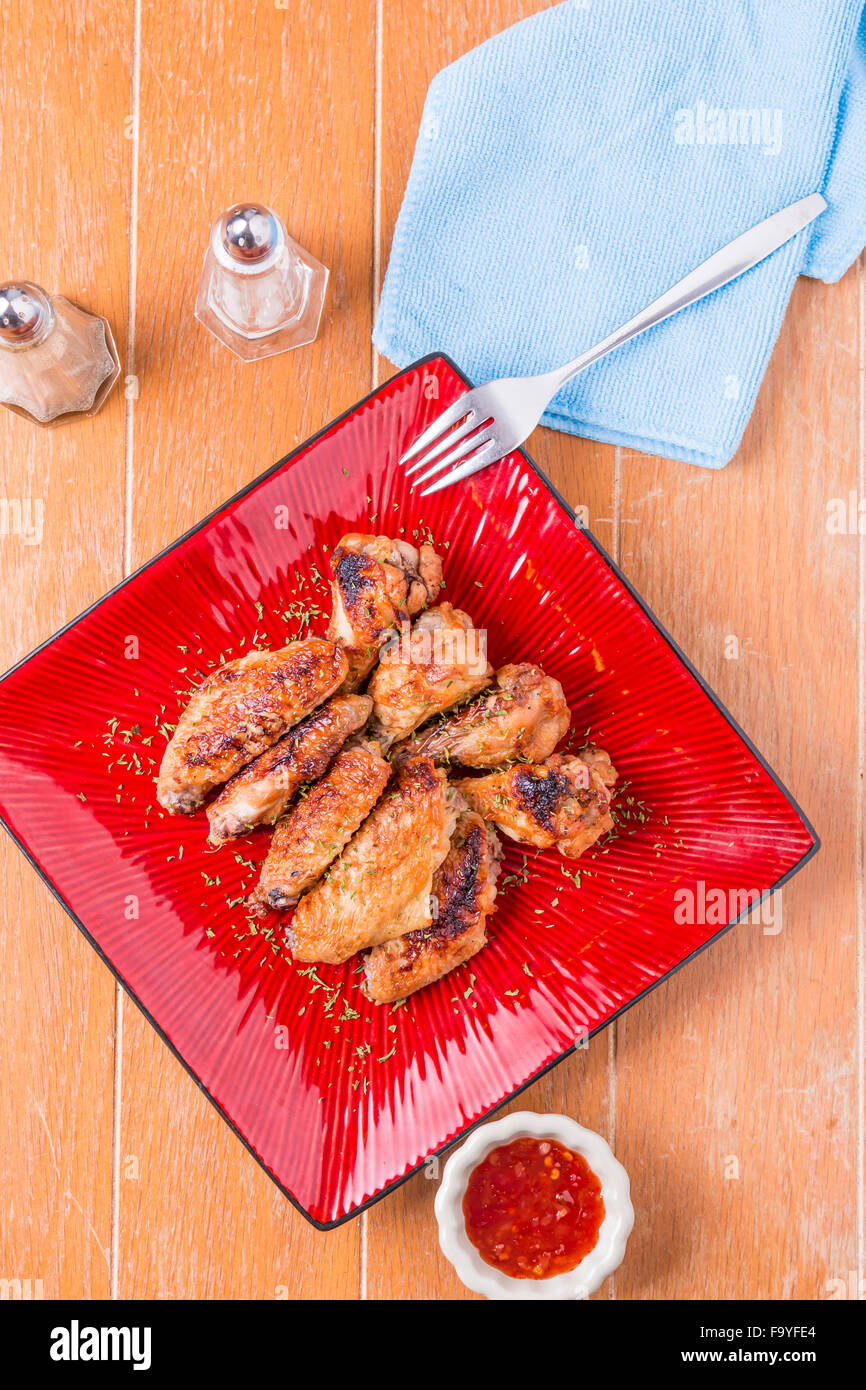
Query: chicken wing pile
{"points": [[346, 747]]}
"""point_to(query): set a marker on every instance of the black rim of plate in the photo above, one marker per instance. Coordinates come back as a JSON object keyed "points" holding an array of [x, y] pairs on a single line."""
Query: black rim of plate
{"points": [[612, 565]]}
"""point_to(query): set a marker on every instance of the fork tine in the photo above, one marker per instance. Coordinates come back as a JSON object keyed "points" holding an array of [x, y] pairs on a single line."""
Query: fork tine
{"points": [[472, 422], [449, 417], [489, 454], [467, 448]]}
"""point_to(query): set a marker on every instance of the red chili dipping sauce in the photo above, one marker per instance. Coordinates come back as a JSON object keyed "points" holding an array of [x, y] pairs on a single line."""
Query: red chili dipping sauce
{"points": [[533, 1208]]}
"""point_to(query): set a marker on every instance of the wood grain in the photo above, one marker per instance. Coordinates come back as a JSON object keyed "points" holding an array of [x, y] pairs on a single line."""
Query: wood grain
{"points": [[744, 1161], [403, 1259], [731, 1093], [276, 106], [57, 1001]]}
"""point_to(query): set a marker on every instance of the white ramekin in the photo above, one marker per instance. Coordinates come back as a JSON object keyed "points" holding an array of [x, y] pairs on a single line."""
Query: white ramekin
{"points": [[601, 1261]]}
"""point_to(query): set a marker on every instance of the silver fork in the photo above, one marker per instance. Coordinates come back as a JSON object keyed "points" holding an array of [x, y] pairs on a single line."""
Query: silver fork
{"points": [[493, 419]]}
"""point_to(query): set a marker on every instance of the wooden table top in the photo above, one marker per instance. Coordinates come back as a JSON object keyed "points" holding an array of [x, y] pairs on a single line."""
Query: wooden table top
{"points": [[733, 1094]]}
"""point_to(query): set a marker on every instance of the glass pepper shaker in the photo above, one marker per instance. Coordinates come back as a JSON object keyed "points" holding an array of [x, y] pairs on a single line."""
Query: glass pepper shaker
{"points": [[57, 361], [260, 292]]}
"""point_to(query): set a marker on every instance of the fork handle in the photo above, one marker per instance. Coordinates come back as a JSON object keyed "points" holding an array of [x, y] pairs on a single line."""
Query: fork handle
{"points": [[739, 255]]}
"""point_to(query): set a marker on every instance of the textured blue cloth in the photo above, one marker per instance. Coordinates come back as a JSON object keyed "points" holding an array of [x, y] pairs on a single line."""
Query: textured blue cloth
{"points": [[573, 167]]}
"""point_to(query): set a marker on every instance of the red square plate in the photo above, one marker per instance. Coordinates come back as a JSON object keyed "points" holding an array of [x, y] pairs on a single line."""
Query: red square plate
{"points": [[340, 1099]]}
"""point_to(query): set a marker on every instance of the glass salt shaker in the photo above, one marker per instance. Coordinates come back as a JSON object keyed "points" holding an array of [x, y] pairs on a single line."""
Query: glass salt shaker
{"points": [[57, 362], [260, 292]]}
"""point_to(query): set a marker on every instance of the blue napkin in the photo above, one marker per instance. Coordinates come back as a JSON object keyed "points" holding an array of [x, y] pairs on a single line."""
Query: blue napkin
{"points": [[573, 167]]}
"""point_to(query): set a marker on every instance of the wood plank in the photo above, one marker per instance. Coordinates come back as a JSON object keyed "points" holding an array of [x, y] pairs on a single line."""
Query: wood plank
{"points": [[737, 1083], [748, 1055], [275, 105], [403, 1260], [57, 1004]]}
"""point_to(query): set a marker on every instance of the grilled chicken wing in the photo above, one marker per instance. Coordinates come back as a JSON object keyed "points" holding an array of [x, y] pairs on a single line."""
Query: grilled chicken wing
{"points": [[564, 801], [378, 583], [523, 716], [239, 711], [464, 891], [426, 671], [380, 886], [320, 825], [599, 762], [262, 790]]}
